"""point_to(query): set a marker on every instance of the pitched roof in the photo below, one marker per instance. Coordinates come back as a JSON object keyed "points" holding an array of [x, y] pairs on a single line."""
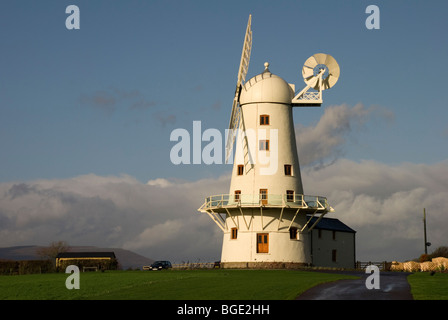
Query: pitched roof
{"points": [[331, 224], [86, 255]]}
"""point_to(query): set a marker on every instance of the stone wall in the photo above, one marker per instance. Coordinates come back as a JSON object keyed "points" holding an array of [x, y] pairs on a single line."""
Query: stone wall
{"points": [[262, 265]]}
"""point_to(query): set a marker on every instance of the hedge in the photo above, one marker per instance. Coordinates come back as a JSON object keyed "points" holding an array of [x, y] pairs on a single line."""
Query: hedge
{"points": [[12, 267]]}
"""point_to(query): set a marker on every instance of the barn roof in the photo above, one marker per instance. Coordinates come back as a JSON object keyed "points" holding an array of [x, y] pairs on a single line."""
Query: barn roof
{"points": [[92, 254], [331, 224]]}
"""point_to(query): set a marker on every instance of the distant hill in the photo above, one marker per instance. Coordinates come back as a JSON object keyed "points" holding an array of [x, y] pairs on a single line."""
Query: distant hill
{"points": [[126, 259]]}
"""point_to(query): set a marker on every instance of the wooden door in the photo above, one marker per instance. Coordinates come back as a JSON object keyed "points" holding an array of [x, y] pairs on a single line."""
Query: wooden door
{"points": [[262, 242]]}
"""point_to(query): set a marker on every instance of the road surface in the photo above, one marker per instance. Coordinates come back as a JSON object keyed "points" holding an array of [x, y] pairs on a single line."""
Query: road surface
{"points": [[393, 286]]}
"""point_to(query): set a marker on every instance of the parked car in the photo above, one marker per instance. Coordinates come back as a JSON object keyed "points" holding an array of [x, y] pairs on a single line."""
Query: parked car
{"points": [[159, 265]]}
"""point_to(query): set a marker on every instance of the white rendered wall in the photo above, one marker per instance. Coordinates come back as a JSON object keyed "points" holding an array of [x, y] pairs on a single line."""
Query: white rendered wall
{"points": [[266, 94], [271, 175], [281, 247]]}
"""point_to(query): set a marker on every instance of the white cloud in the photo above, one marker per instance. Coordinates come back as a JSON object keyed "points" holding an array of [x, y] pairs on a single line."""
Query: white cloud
{"points": [[157, 235], [383, 203], [324, 141], [157, 219]]}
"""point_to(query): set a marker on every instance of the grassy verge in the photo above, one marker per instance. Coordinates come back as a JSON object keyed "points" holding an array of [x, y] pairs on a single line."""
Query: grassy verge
{"points": [[427, 287], [167, 285]]}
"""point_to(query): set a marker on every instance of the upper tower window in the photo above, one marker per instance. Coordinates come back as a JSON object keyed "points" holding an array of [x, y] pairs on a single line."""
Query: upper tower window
{"points": [[240, 169], [288, 170], [264, 119]]}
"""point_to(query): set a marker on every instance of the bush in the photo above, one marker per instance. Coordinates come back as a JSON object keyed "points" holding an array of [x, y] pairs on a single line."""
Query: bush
{"points": [[424, 257], [12, 267], [439, 252], [35, 266]]}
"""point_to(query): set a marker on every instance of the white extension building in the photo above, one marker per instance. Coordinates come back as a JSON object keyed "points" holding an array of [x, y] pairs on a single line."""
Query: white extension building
{"points": [[266, 219]]}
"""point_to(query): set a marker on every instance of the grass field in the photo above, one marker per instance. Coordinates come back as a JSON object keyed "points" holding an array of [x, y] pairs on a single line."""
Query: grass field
{"points": [[215, 284], [426, 287]]}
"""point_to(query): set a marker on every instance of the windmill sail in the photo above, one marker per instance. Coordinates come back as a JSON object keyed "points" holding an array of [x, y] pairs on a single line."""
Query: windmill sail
{"points": [[235, 116]]}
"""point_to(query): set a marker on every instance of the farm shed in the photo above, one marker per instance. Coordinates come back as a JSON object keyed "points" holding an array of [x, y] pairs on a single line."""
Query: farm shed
{"points": [[87, 260]]}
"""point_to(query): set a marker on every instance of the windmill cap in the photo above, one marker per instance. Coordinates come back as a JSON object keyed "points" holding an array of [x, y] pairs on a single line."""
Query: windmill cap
{"points": [[266, 88]]}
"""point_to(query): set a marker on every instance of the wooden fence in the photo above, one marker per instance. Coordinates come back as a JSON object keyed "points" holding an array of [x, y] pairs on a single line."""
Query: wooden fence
{"points": [[360, 265], [383, 265], [194, 265]]}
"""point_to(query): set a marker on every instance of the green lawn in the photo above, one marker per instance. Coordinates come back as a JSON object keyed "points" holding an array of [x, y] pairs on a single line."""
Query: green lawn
{"points": [[218, 284], [427, 287]]}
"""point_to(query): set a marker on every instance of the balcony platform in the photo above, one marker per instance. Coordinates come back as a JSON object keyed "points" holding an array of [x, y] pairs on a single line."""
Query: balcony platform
{"points": [[216, 205], [229, 201]]}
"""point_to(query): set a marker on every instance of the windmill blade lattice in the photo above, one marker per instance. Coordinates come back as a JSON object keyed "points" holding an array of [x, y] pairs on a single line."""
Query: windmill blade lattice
{"points": [[242, 72]]}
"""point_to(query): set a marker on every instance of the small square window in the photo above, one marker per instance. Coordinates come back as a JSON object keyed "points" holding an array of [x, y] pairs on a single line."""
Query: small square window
{"points": [[264, 145], [264, 119], [240, 169], [288, 170]]}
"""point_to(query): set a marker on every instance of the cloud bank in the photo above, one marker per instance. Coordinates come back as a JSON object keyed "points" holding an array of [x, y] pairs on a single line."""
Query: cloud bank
{"points": [[384, 204], [159, 219]]}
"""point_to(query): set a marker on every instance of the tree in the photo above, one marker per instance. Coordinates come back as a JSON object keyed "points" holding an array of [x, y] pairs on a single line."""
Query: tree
{"points": [[53, 250], [439, 252]]}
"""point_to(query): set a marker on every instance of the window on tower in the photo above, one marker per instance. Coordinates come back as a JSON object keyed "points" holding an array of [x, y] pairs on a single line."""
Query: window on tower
{"points": [[288, 170], [264, 196], [264, 145], [264, 119], [233, 233], [293, 233], [240, 169], [290, 195], [237, 195]]}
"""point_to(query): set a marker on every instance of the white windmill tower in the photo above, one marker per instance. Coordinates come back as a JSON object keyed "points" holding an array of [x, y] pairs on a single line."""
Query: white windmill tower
{"points": [[265, 217]]}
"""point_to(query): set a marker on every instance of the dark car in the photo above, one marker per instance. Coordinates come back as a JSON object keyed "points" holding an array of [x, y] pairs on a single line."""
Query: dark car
{"points": [[159, 265]]}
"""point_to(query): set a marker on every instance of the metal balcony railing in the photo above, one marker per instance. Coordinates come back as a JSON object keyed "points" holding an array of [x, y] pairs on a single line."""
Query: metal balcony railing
{"points": [[265, 200]]}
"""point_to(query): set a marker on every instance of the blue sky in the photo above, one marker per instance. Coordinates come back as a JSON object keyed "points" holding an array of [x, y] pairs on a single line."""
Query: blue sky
{"points": [[177, 61], [103, 100]]}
